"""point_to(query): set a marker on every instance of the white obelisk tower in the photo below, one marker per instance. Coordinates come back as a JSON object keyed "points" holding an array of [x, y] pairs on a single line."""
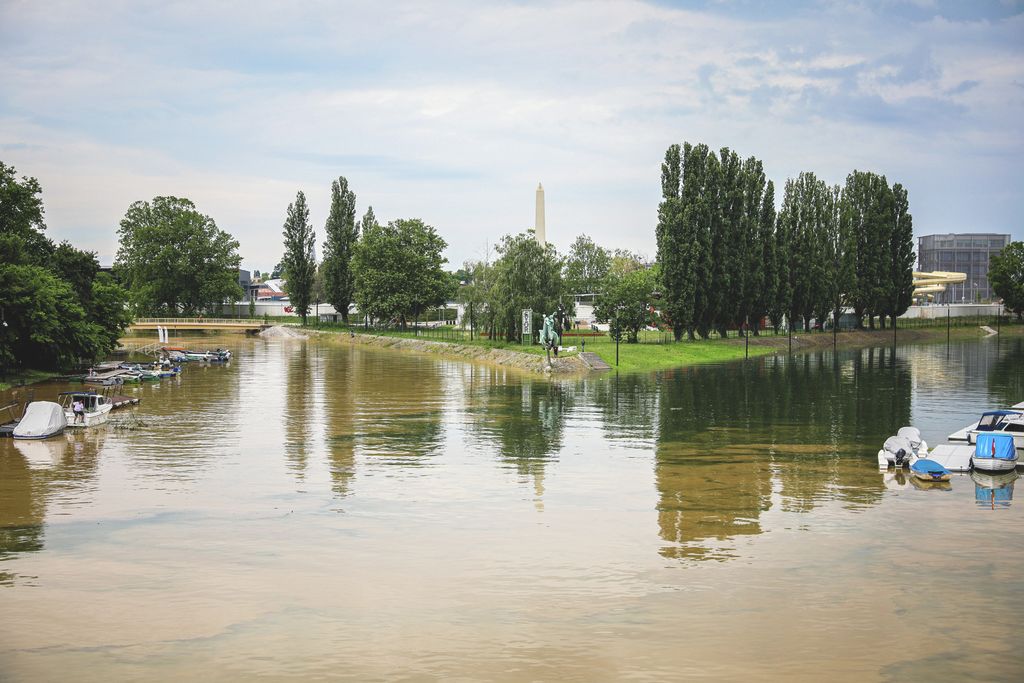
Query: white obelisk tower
{"points": [[538, 230]]}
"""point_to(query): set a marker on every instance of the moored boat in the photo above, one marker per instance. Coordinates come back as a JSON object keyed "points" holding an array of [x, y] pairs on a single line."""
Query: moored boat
{"points": [[896, 451], [1008, 421], [994, 452], [42, 419], [929, 470], [96, 408]]}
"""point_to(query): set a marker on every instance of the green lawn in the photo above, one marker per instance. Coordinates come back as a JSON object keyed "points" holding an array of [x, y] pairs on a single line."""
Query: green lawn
{"points": [[654, 356]]}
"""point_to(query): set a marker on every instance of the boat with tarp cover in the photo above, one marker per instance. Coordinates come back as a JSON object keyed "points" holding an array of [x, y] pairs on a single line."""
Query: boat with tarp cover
{"points": [[994, 452], [42, 419]]}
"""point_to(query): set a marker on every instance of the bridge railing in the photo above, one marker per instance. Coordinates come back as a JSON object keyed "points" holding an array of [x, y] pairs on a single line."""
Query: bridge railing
{"points": [[241, 322]]}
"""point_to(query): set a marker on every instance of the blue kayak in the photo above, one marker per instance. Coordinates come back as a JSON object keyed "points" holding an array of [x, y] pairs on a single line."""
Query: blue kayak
{"points": [[929, 470]]}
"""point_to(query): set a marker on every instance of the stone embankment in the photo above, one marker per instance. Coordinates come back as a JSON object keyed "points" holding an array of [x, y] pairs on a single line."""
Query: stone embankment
{"points": [[504, 357]]}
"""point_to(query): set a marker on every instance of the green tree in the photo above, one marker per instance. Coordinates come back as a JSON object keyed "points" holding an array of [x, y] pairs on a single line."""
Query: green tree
{"points": [[474, 294], [868, 206], [174, 260], [766, 296], [398, 270], [676, 275], [58, 309], [21, 213], [901, 255], [625, 300], [299, 262], [526, 276], [1006, 273], [586, 266], [341, 232]]}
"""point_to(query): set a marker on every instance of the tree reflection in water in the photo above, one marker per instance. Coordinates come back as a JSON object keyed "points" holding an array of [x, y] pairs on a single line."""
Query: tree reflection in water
{"points": [[732, 439]]}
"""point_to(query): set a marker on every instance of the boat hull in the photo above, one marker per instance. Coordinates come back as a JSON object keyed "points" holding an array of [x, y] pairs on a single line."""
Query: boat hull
{"points": [[993, 464], [93, 419], [39, 437]]}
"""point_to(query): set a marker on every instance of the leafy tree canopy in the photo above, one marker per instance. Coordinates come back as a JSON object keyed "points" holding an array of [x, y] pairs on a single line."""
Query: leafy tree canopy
{"points": [[58, 309], [526, 276], [398, 270], [627, 297], [174, 260], [585, 266], [1006, 273]]}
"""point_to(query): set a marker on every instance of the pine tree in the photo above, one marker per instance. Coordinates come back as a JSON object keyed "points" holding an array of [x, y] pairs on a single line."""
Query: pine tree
{"points": [[299, 262], [341, 232]]}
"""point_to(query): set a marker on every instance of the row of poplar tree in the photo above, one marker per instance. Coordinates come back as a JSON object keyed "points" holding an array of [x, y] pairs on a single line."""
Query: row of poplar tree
{"points": [[729, 260]]}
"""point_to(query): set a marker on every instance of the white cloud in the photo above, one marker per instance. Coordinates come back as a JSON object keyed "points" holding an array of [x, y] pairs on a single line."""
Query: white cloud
{"points": [[453, 112]]}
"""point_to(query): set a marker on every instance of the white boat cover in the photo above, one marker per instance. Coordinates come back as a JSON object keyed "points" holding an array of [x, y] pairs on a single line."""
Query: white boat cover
{"points": [[41, 419], [911, 434], [894, 444]]}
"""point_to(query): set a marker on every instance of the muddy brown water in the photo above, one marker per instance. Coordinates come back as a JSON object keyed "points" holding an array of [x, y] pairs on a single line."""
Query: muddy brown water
{"points": [[321, 511]]}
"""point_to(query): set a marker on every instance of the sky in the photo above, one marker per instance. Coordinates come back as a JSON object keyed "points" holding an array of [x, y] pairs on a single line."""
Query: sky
{"points": [[453, 112]]}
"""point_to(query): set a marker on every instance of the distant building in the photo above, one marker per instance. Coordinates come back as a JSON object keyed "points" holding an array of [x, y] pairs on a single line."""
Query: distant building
{"points": [[967, 253]]}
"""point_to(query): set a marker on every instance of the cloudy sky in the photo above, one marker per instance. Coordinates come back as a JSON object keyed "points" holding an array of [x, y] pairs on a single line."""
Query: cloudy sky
{"points": [[453, 111]]}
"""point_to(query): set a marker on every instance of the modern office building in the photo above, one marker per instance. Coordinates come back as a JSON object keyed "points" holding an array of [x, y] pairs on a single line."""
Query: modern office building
{"points": [[967, 253]]}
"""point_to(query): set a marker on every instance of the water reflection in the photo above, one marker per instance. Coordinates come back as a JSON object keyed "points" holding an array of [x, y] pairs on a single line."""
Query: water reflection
{"points": [[31, 474], [730, 436], [993, 490], [524, 420], [1006, 377]]}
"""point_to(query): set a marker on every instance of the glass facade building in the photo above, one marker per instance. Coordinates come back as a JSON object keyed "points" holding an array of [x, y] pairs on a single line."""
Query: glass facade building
{"points": [[967, 253]]}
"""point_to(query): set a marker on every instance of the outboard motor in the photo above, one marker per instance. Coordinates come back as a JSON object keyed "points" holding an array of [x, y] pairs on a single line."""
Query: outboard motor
{"points": [[897, 450], [900, 456]]}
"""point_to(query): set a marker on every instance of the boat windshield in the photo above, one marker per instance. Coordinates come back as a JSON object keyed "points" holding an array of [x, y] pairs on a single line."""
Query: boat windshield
{"points": [[988, 422]]}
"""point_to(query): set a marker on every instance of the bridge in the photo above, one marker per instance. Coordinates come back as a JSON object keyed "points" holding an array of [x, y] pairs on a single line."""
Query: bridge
{"points": [[178, 324]]}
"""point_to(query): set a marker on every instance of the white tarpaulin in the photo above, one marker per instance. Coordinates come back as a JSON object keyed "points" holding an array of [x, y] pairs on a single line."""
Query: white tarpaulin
{"points": [[41, 419]]}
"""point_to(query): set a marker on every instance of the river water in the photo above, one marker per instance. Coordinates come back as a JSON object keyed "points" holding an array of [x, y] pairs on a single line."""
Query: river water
{"points": [[315, 510]]}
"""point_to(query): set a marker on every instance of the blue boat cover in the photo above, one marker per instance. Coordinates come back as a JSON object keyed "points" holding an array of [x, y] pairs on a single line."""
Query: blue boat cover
{"points": [[926, 466], [998, 446]]}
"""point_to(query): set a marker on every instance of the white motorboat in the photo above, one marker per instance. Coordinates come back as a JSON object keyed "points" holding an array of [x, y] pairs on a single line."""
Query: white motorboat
{"points": [[42, 419], [897, 451], [994, 452], [96, 408], [1009, 421]]}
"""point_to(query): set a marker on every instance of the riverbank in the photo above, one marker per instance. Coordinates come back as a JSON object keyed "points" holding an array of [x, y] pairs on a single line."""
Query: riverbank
{"points": [[649, 357], [529, 362], [22, 377]]}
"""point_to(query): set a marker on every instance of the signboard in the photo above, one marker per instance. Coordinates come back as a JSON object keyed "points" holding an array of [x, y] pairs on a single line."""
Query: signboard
{"points": [[527, 323]]}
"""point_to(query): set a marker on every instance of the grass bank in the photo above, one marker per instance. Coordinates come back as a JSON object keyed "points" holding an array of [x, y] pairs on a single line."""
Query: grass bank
{"points": [[20, 377], [657, 351]]}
